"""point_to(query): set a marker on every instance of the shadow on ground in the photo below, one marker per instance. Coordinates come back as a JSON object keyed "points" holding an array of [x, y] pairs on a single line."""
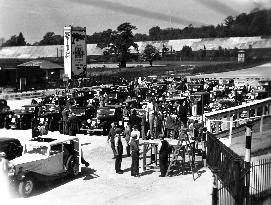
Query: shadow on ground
{"points": [[43, 187]]}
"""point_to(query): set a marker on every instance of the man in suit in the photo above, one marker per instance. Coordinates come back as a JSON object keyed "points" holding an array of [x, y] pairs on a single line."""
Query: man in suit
{"points": [[119, 151], [164, 151], [135, 156]]}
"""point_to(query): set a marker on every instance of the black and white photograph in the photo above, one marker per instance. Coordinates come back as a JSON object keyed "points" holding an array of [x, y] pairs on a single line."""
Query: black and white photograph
{"points": [[139, 102]]}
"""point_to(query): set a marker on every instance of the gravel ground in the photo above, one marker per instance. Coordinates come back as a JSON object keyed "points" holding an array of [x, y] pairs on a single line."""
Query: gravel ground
{"points": [[99, 184]]}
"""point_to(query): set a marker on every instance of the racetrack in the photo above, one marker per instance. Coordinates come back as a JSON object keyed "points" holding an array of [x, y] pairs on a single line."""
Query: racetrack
{"points": [[261, 71]]}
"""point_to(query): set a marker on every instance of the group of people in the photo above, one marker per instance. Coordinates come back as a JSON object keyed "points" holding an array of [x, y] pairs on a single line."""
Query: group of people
{"points": [[130, 136]]}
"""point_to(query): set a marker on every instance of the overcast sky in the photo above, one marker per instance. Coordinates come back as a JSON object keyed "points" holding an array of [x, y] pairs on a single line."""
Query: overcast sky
{"points": [[36, 17]]}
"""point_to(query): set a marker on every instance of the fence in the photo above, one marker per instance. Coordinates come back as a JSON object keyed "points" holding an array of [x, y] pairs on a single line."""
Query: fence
{"points": [[228, 167], [260, 180], [28, 95], [231, 172]]}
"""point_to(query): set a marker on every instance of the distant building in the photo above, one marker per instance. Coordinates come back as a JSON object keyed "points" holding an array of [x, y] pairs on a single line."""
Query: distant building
{"points": [[36, 74], [241, 56]]}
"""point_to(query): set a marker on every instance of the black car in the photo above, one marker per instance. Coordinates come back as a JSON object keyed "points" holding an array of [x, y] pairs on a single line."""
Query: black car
{"points": [[105, 116], [22, 119], [11, 146]]}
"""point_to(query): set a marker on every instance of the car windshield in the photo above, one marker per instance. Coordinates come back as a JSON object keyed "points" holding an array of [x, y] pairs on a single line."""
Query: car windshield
{"points": [[36, 149], [106, 111]]}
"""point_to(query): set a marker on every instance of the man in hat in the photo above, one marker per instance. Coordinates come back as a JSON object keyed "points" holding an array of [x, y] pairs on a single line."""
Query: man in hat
{"points": [[135, 156], [119, 151], [164, 151], [111, 137]]}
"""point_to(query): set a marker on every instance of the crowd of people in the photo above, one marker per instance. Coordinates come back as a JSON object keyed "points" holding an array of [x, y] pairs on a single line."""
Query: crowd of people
{"points": [[153, 108]]}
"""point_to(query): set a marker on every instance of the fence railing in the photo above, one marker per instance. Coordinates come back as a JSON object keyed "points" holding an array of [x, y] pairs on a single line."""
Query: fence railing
{"points": [[231, 172], [260, 179], [228, 165]]}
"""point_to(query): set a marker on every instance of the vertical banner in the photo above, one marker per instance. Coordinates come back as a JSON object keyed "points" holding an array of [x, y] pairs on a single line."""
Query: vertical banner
{"points": [[75, 52], [67, 52]]}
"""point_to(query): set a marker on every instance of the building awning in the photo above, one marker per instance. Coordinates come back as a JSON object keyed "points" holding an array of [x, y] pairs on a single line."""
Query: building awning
{"points": [[42, 64]]}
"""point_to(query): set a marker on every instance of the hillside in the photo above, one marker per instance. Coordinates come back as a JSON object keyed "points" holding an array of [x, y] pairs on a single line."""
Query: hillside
{"points": [[32, 52]]}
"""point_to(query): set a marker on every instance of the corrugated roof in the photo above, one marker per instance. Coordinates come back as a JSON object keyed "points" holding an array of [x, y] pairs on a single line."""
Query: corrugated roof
{"points": [[43, 64]]}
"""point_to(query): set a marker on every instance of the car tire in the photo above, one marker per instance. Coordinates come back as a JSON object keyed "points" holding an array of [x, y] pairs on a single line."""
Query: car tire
{"points": [[73, 168], [26, 187]]}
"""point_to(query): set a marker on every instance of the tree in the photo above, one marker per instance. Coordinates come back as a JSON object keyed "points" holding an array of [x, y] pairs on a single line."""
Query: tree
{"points": [[51, 39], [150, 53], [186, 52], [119, 42], [15, 40]]}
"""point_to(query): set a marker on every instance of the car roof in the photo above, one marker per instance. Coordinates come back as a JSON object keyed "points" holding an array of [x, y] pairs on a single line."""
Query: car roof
{"points": [[7, 139], [52, 139]]}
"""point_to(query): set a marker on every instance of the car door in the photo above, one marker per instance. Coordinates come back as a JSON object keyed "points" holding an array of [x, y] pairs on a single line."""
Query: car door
{"points": [[55, 160]]}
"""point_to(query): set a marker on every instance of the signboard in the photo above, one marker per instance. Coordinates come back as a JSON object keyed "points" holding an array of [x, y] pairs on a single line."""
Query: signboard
{"points": [[75, 52]]}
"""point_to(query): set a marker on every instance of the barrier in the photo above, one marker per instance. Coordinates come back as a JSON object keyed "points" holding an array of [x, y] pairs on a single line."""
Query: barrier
{"points": [[29, 95]]}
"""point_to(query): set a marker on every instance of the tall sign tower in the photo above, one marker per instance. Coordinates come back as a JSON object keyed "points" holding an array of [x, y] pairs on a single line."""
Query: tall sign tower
{"points": [[75, 52]]}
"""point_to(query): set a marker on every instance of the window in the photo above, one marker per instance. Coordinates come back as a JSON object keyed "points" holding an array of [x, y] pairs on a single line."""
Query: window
{"points": [[55, 149]]}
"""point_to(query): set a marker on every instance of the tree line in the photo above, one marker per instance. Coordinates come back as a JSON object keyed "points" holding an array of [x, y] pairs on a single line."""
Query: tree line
{"points": [[255, 23]]}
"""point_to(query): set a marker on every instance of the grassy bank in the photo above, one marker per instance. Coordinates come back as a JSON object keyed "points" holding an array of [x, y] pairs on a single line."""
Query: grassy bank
{"points": [[110, 75]]}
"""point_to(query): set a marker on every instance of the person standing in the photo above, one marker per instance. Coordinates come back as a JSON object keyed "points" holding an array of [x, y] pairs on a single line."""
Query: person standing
{"points": [[127, 137], [111, 138], [119, 151], [164, 151], [150, 110], [65, 117], [135, 132], [135, 156]]}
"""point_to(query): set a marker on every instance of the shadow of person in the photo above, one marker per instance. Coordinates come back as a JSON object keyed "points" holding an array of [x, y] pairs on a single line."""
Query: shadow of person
{"points": [[148, 172], [88, 173]]}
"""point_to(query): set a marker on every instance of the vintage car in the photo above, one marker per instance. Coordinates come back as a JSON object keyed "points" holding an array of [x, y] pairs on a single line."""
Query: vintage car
{"points": [[11, 146], [84, 113], [105, 116], [21, 119], [43, 160]]}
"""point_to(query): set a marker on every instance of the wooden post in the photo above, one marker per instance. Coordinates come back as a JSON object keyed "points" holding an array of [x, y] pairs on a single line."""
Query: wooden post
{"points": [[228, 120], [144, 156], [261, 124], [216, 127], [238, 118], [143, 122], [247, 162], [215, 188], [256, 111], [156, 154], [263, 112], [204, 133], [239, 182], [230, 131]]}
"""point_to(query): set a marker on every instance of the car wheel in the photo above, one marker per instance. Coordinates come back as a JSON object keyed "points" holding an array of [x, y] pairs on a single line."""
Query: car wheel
{"points": [[26, 187], [73, 168]]}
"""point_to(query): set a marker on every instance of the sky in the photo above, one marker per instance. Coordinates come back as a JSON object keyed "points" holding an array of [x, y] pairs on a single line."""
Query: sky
{"points": [[36, 17]]}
